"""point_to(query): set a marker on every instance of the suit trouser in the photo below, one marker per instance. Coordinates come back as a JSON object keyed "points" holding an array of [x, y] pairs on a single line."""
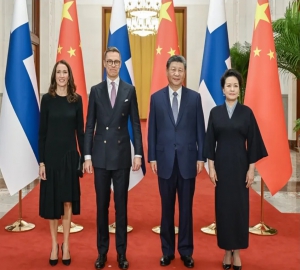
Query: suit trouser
{"points": [[185, 189], [120, 179]]}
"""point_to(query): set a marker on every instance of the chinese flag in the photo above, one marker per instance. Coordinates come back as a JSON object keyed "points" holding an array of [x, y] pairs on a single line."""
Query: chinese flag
{"points": [[263, 96], [69, 48], [166, 45]]}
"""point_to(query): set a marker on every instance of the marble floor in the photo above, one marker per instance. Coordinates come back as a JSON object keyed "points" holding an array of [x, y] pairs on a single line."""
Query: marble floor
{"points": [[287, 200]]}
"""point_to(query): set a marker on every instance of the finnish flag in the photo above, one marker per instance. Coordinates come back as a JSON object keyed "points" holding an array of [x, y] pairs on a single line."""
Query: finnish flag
{"points": [[118, 37], [19, 118], [216, 58]]}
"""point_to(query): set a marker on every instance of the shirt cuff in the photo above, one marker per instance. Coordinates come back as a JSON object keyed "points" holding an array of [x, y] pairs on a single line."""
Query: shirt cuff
{"points": [[87, 157]]}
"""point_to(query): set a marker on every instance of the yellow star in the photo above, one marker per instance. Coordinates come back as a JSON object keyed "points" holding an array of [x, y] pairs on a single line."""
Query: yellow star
{"points": [[256, 52], [66, 13], [163, 14], [59, 49], [158, 50], [271, 54], [72, 52], [172, 52], [261, 13], [80, 44]]}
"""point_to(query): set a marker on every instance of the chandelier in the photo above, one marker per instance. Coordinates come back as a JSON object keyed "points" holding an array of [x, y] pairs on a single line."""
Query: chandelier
{"points": [[142, 16]]}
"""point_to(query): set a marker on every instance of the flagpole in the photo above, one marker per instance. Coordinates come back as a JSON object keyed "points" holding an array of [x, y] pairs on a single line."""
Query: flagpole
{"points": [[210, 88], [20, 225], [69, 36], [261, 228]]}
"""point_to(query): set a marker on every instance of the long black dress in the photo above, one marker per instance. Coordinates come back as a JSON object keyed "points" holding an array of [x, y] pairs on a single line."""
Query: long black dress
{"points": [[233, 143], [61, 123]]}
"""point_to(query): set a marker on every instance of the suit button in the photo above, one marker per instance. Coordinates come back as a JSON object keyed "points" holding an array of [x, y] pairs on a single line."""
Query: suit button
{"points": [[119, 141], [104, 141], [122, 114], [106, 128], [119, 128]]}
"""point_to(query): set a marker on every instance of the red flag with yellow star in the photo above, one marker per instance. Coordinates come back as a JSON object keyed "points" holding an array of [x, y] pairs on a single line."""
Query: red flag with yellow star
{"points": [[263, 96], [69, 48], [166, 45]]}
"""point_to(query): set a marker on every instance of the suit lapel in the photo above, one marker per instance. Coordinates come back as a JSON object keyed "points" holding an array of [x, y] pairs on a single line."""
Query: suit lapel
{"points": [[168, 104], [183, 104], [104, 97], [122, 93]]}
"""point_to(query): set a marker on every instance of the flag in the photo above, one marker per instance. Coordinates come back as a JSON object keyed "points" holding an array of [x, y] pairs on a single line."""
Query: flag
{"points": [[166, 45], [216, 58], [263, 96], [19, 119], [69, 48], [118, 37]]}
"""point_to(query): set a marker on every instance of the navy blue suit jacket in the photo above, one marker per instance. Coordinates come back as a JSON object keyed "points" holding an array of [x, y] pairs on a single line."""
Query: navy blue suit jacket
{"points": [[186, 136], [106, 136]]}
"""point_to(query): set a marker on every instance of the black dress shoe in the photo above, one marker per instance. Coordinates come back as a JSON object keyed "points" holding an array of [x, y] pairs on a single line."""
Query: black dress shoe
{"points": [[188, 261], [55, 261], [100, 262], [237, 267], [166, 260], [65, 261], [122, 261]]}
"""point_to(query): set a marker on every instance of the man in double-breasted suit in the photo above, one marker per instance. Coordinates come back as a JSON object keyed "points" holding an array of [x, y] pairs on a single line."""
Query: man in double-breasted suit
{"points": [[108, 150], [175, 140]]}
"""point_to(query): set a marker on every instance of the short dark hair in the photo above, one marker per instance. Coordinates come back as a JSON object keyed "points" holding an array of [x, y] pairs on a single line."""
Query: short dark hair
{"points": [[176, 58], [112, 49], [231, 73], [71, 87]]}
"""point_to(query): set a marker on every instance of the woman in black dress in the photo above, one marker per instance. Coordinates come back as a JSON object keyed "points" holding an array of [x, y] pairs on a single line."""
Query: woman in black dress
{"points": [[61, 127], [233, 144]]}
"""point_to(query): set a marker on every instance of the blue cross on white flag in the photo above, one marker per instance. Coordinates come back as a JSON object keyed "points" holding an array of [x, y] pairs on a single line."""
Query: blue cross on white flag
{"points": [[118, 37], [216, 58], [19, 119]]}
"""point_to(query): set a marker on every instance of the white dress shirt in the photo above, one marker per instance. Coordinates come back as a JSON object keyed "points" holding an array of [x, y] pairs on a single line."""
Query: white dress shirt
{"points": [[109, 85]]}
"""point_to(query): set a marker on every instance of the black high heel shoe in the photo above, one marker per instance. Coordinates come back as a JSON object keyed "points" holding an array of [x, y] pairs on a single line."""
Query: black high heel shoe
{"points": [[55, 261], [67, 261], [227, 266], [235, 267]]}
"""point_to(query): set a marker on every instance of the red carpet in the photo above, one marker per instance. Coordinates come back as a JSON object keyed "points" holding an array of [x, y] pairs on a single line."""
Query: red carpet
{"points": [[31, 250]]}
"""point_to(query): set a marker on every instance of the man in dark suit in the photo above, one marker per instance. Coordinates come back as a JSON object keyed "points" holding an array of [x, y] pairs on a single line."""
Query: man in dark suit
{"points": [[175, 140], [108, 150]]}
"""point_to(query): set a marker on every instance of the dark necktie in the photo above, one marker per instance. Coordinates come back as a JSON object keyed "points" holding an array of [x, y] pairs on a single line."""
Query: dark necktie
{"points": [[175, 106], [113, 94]]}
